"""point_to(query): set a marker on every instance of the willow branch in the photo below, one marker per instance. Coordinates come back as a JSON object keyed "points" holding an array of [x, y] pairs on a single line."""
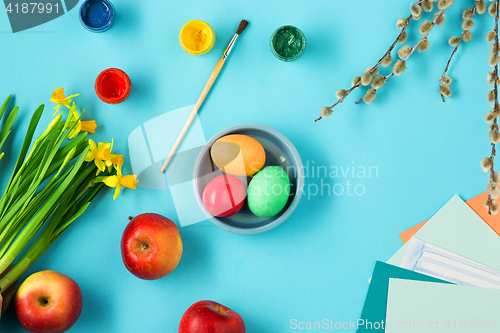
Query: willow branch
{"points": [[455, 50], [412, 50], [495, 89], [374, 68]]}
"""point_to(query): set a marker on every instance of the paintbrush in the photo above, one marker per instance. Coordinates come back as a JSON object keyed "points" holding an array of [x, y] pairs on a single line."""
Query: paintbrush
{"points": [[211, 80]]}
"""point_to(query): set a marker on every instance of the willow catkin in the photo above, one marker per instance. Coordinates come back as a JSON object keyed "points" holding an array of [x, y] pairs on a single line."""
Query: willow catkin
{"points": [[341, 93], [370, 95], [480, 7], [399, 67], [454, 41], [444, 4], [325, 112], [366, 79], [387, 60], [445, 91], [446, 80], [404, 51], [486, 164], [423, 45], [468, 24], [467, 36], [378, 82]]}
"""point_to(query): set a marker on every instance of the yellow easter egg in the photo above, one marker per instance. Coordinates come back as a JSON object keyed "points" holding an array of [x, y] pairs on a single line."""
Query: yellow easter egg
{"points": [[238, 155]]}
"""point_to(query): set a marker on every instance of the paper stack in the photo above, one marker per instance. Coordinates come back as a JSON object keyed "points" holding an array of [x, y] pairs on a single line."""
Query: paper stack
{"points": [[445, 278]]}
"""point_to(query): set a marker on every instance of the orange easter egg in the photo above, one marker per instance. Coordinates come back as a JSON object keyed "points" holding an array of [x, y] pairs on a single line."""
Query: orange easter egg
{"points": [[238, 155]]}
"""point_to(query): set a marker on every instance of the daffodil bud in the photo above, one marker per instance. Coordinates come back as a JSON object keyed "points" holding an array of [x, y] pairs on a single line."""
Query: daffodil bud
{"points": [[325, 112], [50, 127], [490, 116], [494, 177], [480, 6], [444, 4], [493, 59], [67, 159], [372, 70], [427, 5], [492, 9], [446, 80], [493, 190], [402, 38], [426, 27], [399, 67], [423, 45], [467, 36], [387, 60], [494, 137], [490, 96], [491, 78], [355, 81], [366, 79], [486, 164], [370, 96], [440, 20], [445, 91], [454, 41], [416, 10], [341, 93], [401, 23], [467, 24], [490, 36], [404, 51], [378, 82]]}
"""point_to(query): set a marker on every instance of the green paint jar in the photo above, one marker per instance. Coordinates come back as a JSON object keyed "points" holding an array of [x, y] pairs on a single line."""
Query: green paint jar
{"points": [[288, 43]]}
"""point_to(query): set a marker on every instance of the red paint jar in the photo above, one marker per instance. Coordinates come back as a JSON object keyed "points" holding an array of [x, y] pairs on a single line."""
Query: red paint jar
{"points": [[113, 86]]}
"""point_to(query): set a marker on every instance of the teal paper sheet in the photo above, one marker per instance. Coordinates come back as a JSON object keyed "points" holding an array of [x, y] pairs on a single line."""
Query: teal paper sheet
{"points": [[416, 306], [374, 310], [458, 229]]}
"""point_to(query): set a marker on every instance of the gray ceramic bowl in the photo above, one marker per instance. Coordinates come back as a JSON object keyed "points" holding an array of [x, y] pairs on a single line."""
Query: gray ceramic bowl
{"points": [[279, 152]]}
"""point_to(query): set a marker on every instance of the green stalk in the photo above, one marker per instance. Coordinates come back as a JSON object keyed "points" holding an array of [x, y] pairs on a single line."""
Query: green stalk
{"points": [[42, 214], [8, 125]]}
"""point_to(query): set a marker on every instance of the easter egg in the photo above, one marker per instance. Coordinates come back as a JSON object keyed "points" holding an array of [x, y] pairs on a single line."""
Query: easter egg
{"points": [[268, 191], [224, 196], [238, 155]]}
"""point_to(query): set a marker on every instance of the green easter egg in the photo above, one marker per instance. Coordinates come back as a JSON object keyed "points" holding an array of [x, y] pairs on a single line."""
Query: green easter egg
{"points": [[268, 191]]}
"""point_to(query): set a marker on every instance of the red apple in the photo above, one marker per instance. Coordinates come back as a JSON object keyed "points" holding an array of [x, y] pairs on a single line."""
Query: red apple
{"points": [[48, 301], [151, 246], [211, 317]]}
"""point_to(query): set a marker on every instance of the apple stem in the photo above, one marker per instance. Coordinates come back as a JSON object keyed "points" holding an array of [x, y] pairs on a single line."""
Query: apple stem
{"points": [[130, 218]]}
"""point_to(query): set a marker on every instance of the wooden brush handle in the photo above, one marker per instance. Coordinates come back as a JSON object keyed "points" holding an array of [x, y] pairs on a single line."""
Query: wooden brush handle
{"points": [[197, 106]]}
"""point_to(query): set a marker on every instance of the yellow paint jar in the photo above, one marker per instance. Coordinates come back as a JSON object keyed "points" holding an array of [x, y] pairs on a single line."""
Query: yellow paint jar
{"points": [[197, 37]]}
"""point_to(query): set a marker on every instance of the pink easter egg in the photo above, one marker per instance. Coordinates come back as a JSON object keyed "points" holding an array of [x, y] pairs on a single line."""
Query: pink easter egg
{"points": [[224, 196]]}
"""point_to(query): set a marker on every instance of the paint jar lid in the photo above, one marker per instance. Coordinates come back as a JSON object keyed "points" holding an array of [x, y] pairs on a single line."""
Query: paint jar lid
{"points": [[113, 86], [197, 37], [97, 15], [288, 43]]}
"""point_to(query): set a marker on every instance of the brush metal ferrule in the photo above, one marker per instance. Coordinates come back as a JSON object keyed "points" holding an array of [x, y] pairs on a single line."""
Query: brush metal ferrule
{"points": [[230, 47]]}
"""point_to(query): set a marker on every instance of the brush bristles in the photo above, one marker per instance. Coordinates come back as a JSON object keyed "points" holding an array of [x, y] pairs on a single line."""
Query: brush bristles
{"points": [[243, 25]]}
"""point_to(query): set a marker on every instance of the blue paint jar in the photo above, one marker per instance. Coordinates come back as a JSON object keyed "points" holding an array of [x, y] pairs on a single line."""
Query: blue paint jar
{"points": [[97, 15]]}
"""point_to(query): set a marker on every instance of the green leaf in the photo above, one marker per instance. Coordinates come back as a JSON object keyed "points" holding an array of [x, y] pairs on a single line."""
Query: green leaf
{"points": [[7, 126], [4, 106]]}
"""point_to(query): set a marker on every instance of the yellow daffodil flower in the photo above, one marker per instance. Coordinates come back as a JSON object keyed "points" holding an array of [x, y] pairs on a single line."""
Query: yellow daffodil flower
{"points": [[118, 180], [81, 126], [113, 159], [59, 98], [99, 154]]}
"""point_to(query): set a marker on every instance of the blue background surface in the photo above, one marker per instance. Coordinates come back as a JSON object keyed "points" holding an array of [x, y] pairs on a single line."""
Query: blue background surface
{"points": [[314, 266]]}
